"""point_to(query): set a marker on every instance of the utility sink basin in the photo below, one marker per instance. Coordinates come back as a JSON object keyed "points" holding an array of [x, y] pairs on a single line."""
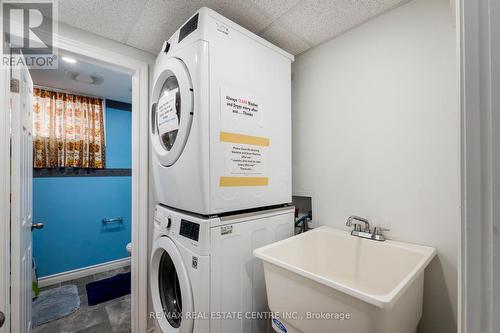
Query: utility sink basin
{"points": [[327, 281]]}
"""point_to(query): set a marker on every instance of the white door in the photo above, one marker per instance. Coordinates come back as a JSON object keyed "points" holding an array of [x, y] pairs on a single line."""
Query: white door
{"points": [[21, 198]]}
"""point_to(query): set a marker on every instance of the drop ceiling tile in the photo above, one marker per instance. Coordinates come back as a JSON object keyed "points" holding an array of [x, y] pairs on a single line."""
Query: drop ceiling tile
{"points": [[161, 18], [275, 8], [241, 12], [157, 22], [319, 20], [284, 39], [108, 18]]}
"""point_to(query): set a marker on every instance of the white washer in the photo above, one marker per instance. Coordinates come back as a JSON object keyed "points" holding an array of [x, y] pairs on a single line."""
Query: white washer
{"points": [[221, 119], [203, 268]]}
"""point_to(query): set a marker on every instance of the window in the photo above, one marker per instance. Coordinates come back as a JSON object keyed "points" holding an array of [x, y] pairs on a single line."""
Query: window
{"points": [[68, 130]]}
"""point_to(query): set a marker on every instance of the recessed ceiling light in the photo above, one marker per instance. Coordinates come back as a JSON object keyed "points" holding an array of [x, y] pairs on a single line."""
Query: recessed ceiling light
{"points": [[87, 78], [69, 60]]}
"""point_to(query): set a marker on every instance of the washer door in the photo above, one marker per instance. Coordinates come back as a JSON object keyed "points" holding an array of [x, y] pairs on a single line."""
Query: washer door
{"points": [[170, 289], [171, 111]]}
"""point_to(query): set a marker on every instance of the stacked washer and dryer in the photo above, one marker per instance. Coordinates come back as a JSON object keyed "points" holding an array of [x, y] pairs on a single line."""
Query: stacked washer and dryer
{"points": [[221, 160]]}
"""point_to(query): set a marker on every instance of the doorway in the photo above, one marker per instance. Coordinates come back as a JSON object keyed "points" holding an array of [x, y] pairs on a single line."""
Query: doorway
{"points": [[138, 72], [81, 196]]}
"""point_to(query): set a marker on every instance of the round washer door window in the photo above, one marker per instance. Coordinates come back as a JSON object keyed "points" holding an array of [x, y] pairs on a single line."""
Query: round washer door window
{"points": [[171, 111], [170, 289]]}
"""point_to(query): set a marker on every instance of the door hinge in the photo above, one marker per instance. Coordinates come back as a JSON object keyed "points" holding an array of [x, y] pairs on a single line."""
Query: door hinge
{"points": [[14, 85]]}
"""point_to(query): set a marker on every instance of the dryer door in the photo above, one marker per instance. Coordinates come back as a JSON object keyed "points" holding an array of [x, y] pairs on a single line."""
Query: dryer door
{"points": [[171, 111], [170, 289]]}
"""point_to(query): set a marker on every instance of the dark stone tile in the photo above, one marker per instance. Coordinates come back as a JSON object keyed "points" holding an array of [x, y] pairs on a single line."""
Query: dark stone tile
{"points": [[84, 300], [103, 305], [50, 287], [126, 269], [119, 314], [104, 275], [100, 328], [122, 329], [80, 283], [112, 316], [87, 319], [51, 327]]}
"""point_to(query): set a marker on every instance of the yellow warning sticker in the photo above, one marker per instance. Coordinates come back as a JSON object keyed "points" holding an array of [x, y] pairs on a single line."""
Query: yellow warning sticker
{"points": [[244, 139], [243, 181]]}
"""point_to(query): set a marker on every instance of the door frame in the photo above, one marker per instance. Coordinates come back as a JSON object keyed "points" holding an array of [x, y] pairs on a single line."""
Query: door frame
{"points": [[479, 273], [140, 164], [4, 195]]}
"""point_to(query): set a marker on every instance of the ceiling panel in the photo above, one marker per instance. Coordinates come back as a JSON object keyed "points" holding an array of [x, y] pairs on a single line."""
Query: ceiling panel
{"points": [[156, 23], [319, 20], [275, 8], [294, 25], [284, 39], [108, 18], [243, 12], [161, 18]]}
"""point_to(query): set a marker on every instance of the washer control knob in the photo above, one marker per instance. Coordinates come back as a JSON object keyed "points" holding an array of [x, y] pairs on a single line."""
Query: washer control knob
{"points": [[169, 222]]}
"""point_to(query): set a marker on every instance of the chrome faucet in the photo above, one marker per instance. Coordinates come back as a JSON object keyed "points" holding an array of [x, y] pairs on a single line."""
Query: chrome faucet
{"points": [[357, 225], [365, 231]]}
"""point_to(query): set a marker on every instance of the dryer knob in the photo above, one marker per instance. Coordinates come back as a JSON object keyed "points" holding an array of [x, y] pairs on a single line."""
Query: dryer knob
{"points": [[169, 222]]}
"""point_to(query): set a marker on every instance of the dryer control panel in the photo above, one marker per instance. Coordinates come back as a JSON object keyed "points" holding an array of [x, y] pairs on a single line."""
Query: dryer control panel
{"points": [[189, 229]]}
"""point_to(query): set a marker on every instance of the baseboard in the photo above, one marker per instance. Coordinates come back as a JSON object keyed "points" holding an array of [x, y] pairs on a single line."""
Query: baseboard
{"points": [[82, 272]]}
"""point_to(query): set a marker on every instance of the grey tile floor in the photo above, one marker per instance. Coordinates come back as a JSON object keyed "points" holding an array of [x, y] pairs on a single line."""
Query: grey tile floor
{"points": [[110, 317]]}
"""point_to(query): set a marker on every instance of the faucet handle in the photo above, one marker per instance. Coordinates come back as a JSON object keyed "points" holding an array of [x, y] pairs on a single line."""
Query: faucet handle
{"points": [[380, 230], [378, 234]]}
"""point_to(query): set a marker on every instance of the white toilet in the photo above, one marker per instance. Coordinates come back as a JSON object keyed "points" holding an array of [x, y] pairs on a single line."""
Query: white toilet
{"points": [[129, 249]]}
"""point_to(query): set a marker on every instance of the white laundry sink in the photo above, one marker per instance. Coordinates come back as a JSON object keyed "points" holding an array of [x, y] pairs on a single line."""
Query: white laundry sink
{"points": [[326, 280]]}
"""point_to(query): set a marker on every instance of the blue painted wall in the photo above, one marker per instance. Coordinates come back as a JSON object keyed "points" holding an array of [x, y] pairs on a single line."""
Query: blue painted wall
{"points": [[72, 209], [118, 138]]}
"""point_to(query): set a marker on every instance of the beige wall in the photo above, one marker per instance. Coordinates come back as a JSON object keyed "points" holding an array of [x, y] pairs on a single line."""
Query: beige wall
{"points": [[376, 132]]}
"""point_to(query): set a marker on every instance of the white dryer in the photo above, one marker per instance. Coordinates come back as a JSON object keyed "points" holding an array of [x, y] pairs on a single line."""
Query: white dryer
{"points": [[203, 273], [221, 119]]}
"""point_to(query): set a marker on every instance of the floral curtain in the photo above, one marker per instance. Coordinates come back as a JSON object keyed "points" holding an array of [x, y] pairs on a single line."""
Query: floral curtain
{"points": [[68, 130]]}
